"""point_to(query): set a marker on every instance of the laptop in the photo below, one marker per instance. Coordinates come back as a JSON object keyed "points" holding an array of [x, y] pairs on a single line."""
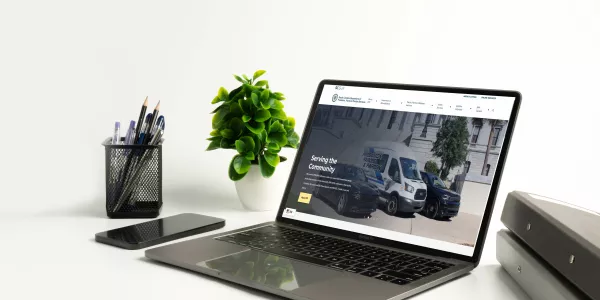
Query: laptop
{"points": [[390, 194]]}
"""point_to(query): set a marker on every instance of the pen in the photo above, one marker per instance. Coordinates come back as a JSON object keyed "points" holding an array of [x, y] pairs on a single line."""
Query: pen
{"points": [[160, 124], [130, 133], [151, 125], [140, 119], [117, 135]]}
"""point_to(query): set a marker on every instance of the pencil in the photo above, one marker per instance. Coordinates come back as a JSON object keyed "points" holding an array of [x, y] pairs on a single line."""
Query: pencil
{"points": [[140, 122]]}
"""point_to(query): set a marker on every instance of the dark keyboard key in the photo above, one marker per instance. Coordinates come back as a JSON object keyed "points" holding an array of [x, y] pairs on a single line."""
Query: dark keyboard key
{"points": [[309, 253], [380, 264], [325, 251], [339, 266], [400, 281], [362, 266], [346, 250], [359, 253], [300, 245], [321, 256], [355, 270], [320, 244], [430, 270], [368, 273], [294, 249], [336, 259], [402, 275], [351, 256], [413, 273], [312, 248], [365, 260], [384, 277], [386, 259], [377, 269], [372, 256]]}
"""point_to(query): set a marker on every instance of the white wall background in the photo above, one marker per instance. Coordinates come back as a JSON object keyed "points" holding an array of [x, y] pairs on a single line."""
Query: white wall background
{"points": [[69, 69]]}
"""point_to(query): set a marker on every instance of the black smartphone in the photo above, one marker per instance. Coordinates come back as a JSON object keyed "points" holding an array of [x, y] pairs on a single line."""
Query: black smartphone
{"points": [[159, 231]]}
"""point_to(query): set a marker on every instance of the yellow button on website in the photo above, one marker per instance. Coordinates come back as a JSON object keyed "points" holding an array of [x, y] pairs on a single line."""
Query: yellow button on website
{"points": [[304, 198]]}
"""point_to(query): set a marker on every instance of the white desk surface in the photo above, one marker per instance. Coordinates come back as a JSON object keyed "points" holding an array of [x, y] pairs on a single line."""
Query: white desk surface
{"points": [[54, 255]]}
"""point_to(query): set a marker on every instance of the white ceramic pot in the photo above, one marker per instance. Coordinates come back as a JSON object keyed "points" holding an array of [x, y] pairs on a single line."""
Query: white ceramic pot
{"points": [[261, 194]]}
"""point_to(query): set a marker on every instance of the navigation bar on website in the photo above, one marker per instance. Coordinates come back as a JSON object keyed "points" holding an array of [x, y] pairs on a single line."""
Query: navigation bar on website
{"points": [[465, 105]]}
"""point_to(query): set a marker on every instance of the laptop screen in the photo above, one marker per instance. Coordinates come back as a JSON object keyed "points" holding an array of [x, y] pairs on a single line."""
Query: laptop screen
{"points": [[404, 165]]}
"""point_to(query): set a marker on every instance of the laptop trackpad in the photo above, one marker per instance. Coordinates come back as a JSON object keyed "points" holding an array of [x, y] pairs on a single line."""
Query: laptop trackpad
{"points": [[268, 269]]}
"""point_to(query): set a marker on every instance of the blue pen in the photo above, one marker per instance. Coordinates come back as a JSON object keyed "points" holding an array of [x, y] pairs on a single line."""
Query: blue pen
{"points": [[129, 136], [146, 129], [117, 135], [160, 124]]}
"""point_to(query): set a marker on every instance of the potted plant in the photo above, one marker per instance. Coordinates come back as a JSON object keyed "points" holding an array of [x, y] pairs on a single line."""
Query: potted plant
{"points": [[250, 120]]}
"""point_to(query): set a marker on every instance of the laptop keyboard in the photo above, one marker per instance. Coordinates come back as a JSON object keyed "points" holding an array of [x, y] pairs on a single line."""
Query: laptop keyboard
{"points": [[392, 266]]}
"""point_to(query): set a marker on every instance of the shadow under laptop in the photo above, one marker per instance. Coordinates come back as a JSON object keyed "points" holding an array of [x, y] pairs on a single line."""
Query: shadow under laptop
{"points": [[249, 290]]}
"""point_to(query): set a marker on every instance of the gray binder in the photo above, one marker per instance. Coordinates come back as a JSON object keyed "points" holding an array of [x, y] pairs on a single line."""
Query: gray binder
{"points": [[564, 236], [534, 276]]}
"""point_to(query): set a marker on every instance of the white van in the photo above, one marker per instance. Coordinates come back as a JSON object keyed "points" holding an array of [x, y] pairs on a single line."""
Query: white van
{"points": [[393, 168]]}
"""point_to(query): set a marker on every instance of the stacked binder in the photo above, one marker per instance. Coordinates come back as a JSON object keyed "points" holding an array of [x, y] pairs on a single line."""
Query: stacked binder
{"points": [[551, 248]]}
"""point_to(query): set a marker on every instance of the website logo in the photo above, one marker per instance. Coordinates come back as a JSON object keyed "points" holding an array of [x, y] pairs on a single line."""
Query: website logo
{"points": [[334, 98]]}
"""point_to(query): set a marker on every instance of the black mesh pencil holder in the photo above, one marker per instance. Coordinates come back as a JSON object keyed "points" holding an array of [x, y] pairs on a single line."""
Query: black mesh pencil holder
{"points": [[133, 180]]}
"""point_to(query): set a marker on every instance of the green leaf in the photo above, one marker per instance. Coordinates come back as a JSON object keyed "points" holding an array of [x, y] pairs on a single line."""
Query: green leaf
{"points": [[246, 77], [236, 94], [272, 158], [215, 133], [264, 95], [226, 144], [276, 104], [241, 164], [216, 144], [227, 133], [238, 78], [289, 124], [258, 141], [248, 143], [216, 99], [217, 109], [278, 114], [276, 127], [237, 126], [262, 115], [235, 109], [258, 74], [212, 138], [219, 117], [245, 105], [265, 168], [233, 175], [240, 146], [293, 139], [249, 156], [246, 118], [278, 137], [265, 105], [282, 159], [255, 100], [261, 83], [255, 127], [273, 147], [263, 136], [223, 94], [279, 96]]}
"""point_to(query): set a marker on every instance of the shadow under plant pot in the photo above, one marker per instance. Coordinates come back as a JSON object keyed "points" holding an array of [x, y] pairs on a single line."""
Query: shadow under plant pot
{"points": [[261, 194]]}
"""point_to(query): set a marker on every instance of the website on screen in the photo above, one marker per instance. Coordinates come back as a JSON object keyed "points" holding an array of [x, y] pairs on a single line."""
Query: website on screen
{"points": [[410, 166]]}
